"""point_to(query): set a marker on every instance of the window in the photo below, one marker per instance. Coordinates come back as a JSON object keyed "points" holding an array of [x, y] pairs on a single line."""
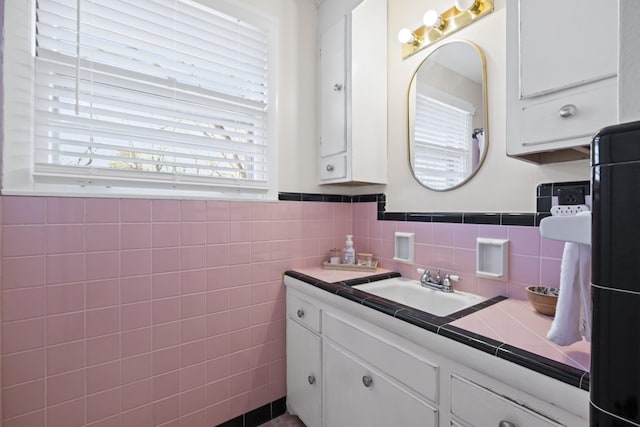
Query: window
{"points": [[442, 154], [138, 97]]}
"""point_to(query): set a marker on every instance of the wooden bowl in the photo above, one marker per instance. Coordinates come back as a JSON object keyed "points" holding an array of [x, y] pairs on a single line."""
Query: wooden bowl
{"points": [[543, 299]]}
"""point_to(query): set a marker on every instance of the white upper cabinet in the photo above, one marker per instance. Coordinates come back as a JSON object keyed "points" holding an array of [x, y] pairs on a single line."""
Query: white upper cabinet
{"points": [[562, 61], [565, 44], [353, 94]]}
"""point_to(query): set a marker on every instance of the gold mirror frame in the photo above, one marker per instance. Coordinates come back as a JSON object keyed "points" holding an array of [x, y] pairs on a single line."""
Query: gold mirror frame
{"points": [[411, 108]]}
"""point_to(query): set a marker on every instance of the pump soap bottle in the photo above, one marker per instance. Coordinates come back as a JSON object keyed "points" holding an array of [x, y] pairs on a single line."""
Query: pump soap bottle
{"points": [[349, 254]]}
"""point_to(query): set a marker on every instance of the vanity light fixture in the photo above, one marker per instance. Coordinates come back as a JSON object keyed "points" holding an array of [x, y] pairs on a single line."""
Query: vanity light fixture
{"points": [[407, 37], [432, 19], [463, 5], [438, 26]]}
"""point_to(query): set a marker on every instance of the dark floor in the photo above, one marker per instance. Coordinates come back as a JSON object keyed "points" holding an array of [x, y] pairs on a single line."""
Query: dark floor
{"points": [[284, 420]]}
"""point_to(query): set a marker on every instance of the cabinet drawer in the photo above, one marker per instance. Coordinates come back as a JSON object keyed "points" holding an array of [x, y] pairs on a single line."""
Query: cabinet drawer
{"points": [[409, 368], [588, 108], [477, 406], [333, 168], [303, 312]]}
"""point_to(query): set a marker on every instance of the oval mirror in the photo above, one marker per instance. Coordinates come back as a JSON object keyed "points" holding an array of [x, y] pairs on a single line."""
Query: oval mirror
{"points": [[447, 106]]}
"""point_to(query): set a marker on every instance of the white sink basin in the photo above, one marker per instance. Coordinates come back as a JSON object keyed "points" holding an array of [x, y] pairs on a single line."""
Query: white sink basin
{"points": [[410, 293]]}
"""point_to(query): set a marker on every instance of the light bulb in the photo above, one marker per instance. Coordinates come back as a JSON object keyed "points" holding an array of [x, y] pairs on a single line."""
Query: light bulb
{"points": [[432, 19], [406, 36], [464, 4]]}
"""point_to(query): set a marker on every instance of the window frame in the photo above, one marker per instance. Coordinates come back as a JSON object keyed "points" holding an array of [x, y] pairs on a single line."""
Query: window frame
{"points": [[18, 176]]}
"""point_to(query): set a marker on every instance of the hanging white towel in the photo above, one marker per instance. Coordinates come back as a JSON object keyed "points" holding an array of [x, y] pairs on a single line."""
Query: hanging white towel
{"points": [[480, 137], [573, 312]]}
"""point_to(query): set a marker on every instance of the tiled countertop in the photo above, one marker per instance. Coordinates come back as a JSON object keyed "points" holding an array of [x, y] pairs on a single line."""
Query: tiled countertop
{"points": [[516, 323], [507, 328]]}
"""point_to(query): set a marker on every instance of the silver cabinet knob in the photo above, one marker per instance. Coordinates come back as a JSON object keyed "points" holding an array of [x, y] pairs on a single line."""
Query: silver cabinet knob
{"points": [[330, 168], [505, 423], [337, 87], [300, 313], [367, 381], [567, 111], [311, 379]]}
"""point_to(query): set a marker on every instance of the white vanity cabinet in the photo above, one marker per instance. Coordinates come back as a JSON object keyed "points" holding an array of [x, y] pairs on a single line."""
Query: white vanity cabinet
{"points": [[561, 76], [372, 369], [304, 366], [353, 96]]}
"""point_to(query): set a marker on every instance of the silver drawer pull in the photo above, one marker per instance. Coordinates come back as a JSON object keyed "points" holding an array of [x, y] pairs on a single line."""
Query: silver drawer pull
{"points": [[311, 379], [567, 111], [330, 168], [300, 313], [367, 381], [504, 423], [337, 87]]}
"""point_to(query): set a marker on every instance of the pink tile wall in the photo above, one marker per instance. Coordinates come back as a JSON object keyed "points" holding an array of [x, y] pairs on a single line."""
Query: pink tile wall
{"points": [[153, 312], [452, 249], [171, 313]]}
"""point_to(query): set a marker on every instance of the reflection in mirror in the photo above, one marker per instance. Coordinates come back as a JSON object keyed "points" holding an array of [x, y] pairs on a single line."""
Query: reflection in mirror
{"points": [[447, 104]]}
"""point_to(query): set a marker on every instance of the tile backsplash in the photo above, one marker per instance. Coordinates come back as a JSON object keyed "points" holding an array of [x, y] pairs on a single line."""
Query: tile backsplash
{"points": [[150, 312], [451, 248], [163, 312]]}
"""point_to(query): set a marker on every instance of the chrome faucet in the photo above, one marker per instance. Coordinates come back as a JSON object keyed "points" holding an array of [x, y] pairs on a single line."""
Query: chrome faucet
{"points": [[437, 282]]}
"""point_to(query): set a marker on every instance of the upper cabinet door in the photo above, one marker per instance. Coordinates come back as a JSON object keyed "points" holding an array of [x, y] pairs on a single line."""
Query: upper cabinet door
{"points": [[352, 92], [565, 44], [333, 98]]}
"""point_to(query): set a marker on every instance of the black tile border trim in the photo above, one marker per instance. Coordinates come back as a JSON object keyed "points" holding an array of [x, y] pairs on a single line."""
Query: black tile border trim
{"points": [[315, 197], [551, 368], [482, 218], [259, 415], [441, 326], [544, 196]]}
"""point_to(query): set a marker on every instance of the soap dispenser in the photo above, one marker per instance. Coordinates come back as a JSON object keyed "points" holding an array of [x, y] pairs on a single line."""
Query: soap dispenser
{"points": [[349, 254]]}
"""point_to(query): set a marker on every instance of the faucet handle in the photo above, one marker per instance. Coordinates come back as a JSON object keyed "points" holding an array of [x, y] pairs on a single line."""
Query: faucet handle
{"points": [[425, 274]]}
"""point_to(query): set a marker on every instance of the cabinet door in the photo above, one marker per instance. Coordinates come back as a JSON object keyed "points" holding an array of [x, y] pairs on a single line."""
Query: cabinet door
{"points": [[368, 92], [304, 377], [566, 43], [333, 100], [357, 395]]}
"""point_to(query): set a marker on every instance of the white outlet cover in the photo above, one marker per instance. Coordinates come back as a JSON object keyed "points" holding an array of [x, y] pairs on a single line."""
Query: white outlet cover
{"points": [[568, 210]]}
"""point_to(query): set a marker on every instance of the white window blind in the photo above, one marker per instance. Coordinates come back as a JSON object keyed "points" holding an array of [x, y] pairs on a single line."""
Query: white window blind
{"points": [[442, 155], [150, 94]]}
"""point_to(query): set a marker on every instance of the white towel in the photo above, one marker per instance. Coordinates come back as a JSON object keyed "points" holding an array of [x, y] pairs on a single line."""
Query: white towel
{"points": [[573, 312]]}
